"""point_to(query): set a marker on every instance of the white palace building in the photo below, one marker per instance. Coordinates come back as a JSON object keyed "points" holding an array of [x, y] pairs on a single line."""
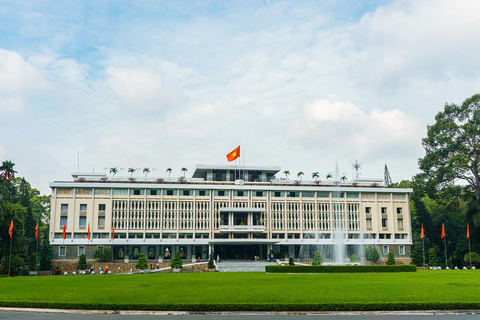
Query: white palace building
{"points": [[229, 213]]}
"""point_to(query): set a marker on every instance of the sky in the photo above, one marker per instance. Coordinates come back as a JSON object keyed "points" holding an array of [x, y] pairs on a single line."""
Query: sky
{"points": [[171, 84]]}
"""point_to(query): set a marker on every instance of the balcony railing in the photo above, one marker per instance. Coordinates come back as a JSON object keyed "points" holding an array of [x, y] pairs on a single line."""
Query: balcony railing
{"points": [[244, 228]]}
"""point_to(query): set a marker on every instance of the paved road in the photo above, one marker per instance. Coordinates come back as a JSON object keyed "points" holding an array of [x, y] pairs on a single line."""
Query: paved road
{"points": [[335, 316]]}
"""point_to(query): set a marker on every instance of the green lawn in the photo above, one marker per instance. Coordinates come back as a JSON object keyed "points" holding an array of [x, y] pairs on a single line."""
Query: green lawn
{"points": [[248, 291]]}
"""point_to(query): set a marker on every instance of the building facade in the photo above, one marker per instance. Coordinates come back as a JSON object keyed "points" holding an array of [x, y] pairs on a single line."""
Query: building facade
{"points": [[233, 214]]}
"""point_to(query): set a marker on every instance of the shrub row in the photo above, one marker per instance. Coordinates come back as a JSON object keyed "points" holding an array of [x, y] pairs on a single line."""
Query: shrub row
{"points": [[340, 269], [247, 307]]}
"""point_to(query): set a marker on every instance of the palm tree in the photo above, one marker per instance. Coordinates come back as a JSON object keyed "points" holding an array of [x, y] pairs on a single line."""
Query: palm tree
{"points": [[7, 170], [315, 175], [286, 172], [113, 171], [184, 170], [169, 170], [329, 176], [300, 175], [131, 170], [344, 177], [146, 171]]}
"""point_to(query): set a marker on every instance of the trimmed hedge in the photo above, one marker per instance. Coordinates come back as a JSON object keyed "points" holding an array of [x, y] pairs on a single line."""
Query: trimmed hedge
{"points": [[340, 269], [398, 306]]}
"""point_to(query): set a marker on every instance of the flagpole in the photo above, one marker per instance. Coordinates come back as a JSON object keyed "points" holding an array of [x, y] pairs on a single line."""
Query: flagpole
{"points": [[243, 156], [10, 262], [423, 245], [445, 241], [469, 252], [36, 260]]}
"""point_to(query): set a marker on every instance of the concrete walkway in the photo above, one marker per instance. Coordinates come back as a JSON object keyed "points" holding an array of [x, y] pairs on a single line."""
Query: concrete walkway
{"points": [[243, 266]]}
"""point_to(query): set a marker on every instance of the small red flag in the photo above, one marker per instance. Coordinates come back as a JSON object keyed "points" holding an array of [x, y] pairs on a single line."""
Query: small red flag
{"points": [[422, 234], [443, 230], [468, 231], [64, 231], [89, 231], [36, 231], [234, 154], [10, 230], [113, 232]]}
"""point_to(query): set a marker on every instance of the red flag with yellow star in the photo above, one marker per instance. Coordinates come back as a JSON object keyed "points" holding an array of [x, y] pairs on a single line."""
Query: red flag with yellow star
{"points": [[234, 154]]}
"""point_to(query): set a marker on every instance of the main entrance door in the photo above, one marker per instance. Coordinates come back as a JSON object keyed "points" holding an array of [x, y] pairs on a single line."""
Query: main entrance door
{"points": [[240, 252]]}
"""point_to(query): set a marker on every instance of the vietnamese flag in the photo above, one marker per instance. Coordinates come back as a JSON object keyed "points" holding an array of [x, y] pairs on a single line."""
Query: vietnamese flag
{"points": [[64, 231], [443, 230], [36, 231], [422, 235], [113, 232], [88, 231], [10, 230], [234, 154], [468, 231]]}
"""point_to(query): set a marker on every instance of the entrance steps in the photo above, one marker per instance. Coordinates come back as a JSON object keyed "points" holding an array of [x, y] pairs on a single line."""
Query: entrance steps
{"points": [[243, 266]]}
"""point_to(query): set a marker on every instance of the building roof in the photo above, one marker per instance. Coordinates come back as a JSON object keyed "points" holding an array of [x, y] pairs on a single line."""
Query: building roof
{"points": [[201, 169]]}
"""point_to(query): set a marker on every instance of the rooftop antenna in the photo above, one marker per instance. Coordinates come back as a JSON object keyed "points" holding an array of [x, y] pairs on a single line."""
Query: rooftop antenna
{"points": [[356, 166]]}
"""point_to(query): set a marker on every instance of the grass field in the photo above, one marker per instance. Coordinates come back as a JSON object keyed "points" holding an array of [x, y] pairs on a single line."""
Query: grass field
{"points": [[248, 291]]}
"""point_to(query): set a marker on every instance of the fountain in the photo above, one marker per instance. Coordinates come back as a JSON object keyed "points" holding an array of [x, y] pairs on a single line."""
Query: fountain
{"points": [[336, 251]]}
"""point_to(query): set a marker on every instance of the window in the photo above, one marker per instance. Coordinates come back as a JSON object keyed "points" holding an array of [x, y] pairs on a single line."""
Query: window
{"points": [[63, 221], [186, 192], [384, 196], [308, 194], [83, 191], [400, 236], [64, 191], [239, 193], [323, 194], [384, 223], [400, 223], [153, 192], [369, 223], [120, 192], [101, 222], [102, 191], [293, 194], [61, 251], [399, 210], [203, 193], [385, 250], [259, 194], [384, 210], [221, 193], [277, 194], [81, 250], [101, 207], [82, 222], [352, 195], [384, 236], [402, 250], [224, 217], [399, 196], [83, 207], [170, 192], [368, 210], [337, 194], [64, 207], [136, 192]]}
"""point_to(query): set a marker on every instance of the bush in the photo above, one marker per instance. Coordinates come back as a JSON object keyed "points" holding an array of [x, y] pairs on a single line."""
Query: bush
{"points": [[211, 264], [82, 262], [16, 264], [290, 261], [142, 262], [340, 269], [432, 258], [391, 259], [176, 262], [371, 254], [353, 258], [103, 255], [474, 256], [317, 259]]}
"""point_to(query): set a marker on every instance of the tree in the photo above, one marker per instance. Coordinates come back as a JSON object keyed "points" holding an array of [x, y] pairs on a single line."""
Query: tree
{"points": [[386, 178], [7, 170], [432, 258], [300, 175], [103, 254], [390, 259], [286, 173], [184, 170], [317, 259], [131, 170], [113, 171], [315, 175], [176, 262], [329, 176], [146, 171], [291, 262], [452, 146], [141, 262], [211, 264], [475, 258], [82, 262], [15, 265], [169, 170], [344, 177], [45, 253], [372, 255]]}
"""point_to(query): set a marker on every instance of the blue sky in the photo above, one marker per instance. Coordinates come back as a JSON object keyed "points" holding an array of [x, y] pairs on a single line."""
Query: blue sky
{"points": [[300, 84]]}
